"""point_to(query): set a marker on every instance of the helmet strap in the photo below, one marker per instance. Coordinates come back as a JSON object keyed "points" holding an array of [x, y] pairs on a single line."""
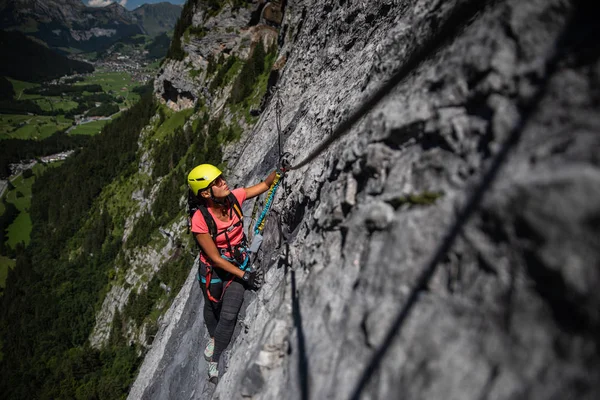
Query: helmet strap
{"points": [[221, 202]]}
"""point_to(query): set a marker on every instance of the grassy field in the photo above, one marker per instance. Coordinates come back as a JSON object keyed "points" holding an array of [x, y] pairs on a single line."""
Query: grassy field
{"points": [[110, 81], [91, 128], [39, 127], [19, 86], [115, 83], [51, 103], [153, 66], [14, 126], [5, 264], [172, 120], [20, 230], [22, 186]]}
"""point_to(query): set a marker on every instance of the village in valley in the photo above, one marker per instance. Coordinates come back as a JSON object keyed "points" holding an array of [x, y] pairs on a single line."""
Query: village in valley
{"points": [[118, 72], [130, 59]]}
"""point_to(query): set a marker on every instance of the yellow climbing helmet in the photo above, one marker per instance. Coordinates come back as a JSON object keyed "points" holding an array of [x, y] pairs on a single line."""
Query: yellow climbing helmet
{"points": [[200, 177]]}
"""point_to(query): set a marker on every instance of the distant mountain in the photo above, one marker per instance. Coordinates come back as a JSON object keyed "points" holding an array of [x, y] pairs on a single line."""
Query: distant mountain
{"points": [[157, 18], [133, 4], [27, 60], [69, 24]]}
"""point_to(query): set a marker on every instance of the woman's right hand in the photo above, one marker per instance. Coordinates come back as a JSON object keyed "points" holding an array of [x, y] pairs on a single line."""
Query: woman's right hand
{"points": [[253, 279]]}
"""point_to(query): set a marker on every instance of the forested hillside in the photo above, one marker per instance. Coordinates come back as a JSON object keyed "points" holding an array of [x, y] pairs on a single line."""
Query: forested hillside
{"points": [[48, 308], [54, 292], [14, 150], [27, 60], [77, 253]]}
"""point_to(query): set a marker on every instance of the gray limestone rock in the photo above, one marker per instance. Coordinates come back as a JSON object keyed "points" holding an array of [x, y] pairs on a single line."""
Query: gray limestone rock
{"points": [[376, 273]]}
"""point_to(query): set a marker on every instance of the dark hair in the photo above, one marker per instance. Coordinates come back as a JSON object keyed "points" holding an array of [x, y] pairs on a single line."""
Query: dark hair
{"points": [[194, 203]]}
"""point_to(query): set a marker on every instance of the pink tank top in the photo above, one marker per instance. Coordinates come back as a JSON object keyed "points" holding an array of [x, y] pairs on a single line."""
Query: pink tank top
{"points": [[236, 234]]}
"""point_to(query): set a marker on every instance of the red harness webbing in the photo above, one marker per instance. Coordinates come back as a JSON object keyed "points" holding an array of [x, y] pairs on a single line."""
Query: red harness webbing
{"points": [[209, 268]]}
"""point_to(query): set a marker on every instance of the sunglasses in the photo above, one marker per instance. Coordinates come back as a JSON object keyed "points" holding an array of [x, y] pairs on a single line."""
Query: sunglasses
{"points": [[219, 181]]}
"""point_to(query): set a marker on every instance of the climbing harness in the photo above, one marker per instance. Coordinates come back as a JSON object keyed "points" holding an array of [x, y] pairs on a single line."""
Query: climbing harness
{"points": [[237, 255]]}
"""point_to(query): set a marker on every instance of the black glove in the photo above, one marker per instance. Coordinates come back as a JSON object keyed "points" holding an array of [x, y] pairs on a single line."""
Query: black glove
{"points": [[253, 279]]}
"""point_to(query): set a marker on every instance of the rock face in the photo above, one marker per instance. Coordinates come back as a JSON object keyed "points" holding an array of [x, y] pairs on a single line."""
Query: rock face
{"points": [[222, 34], [448, 245]]}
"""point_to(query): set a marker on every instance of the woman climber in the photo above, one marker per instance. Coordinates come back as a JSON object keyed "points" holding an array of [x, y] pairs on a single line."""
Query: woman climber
{"points": [[217, 225]]}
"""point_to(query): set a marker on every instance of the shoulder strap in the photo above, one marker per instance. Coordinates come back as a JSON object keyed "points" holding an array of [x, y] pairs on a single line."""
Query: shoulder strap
{"points": [[236, 206], [210, 222]]}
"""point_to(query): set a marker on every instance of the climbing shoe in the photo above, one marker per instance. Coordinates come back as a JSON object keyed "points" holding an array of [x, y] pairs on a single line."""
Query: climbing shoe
{"points": [[213, 372], [209, 349]]}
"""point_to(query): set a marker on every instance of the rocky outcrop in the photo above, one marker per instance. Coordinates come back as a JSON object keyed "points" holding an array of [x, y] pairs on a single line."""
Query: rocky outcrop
{"points": [[219, 36], [70, 13], [136, 267], [142, 265], [62, 11], [446, 246], [272, 13]]}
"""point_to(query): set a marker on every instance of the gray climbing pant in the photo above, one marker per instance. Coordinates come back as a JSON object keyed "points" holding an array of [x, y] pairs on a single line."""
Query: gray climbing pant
{"points": [[221, 317]]}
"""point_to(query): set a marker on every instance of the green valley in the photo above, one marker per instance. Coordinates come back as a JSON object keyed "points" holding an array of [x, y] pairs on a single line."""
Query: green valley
{"points": [[69, 134], [42, 122]]}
